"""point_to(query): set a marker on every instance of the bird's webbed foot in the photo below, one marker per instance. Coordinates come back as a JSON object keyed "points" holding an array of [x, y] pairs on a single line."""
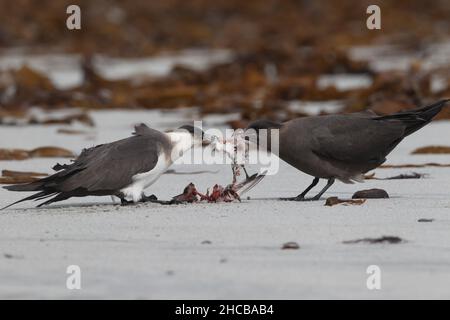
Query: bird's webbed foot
{"points": [[170, 202], [300, 199], [151, 198], [124, 202], [174, 201]]}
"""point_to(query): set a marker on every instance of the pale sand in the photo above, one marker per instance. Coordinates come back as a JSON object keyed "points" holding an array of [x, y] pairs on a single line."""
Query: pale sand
{"points": [[154, 251]]}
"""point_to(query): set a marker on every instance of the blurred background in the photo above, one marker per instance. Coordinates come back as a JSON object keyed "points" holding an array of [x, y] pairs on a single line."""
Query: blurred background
{"points": [[250, 59]]}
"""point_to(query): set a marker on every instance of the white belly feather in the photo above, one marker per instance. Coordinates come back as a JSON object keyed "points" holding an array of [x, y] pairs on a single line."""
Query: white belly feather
{"points": [[142, 181], [181, 141]]}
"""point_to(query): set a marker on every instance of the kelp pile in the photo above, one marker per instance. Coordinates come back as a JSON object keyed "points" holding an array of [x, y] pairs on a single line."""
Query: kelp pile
{"points": [[280, 51]]}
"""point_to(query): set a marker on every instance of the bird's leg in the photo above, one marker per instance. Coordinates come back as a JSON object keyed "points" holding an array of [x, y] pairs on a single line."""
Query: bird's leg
{"points": [[301, 196], [125, 202], [327, 186]]}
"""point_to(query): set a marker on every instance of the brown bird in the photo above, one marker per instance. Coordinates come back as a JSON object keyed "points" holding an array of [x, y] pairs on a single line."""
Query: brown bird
{"points": [[343, 147]]}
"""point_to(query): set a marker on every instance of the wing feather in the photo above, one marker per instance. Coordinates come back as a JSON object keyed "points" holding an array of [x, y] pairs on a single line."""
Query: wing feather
{"points": [[354, 139], [112, 166]]}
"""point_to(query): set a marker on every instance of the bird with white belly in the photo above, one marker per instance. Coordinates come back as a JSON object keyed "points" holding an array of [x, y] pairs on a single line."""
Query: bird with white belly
{"points": [[124, 168]]}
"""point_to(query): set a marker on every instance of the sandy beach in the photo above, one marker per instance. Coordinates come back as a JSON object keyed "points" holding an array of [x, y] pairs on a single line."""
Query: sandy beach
{"points": [[226, 250]]}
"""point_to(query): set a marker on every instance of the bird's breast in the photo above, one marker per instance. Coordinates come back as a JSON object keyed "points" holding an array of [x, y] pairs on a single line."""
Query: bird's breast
{"points": [[143, 180]]}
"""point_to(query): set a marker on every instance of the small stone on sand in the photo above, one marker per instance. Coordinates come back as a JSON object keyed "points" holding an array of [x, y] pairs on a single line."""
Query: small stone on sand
{"points": [[371, 194], [425, 220], [290, 245]]}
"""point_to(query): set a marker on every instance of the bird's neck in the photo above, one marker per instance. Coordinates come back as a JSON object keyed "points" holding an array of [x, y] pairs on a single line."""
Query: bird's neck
{"points": [[181, 142]]}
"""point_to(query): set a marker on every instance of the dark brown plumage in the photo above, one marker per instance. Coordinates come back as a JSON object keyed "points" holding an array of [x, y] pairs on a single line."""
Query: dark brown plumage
{"points": [[101, 170], [344, 146]]}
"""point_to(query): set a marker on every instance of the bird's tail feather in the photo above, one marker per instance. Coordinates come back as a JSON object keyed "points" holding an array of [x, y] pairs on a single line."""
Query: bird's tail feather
{"points": [[33, 186], [36, 196], [59, 197], [47, 187], [417, 118]]}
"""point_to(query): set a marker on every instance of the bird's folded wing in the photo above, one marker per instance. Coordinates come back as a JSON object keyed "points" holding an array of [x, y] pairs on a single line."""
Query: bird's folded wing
{"points": [[112, 166], [353, 139]]}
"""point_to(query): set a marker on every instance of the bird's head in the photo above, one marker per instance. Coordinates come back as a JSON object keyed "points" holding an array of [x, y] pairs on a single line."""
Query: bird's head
{"points": [[197, 134]]}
